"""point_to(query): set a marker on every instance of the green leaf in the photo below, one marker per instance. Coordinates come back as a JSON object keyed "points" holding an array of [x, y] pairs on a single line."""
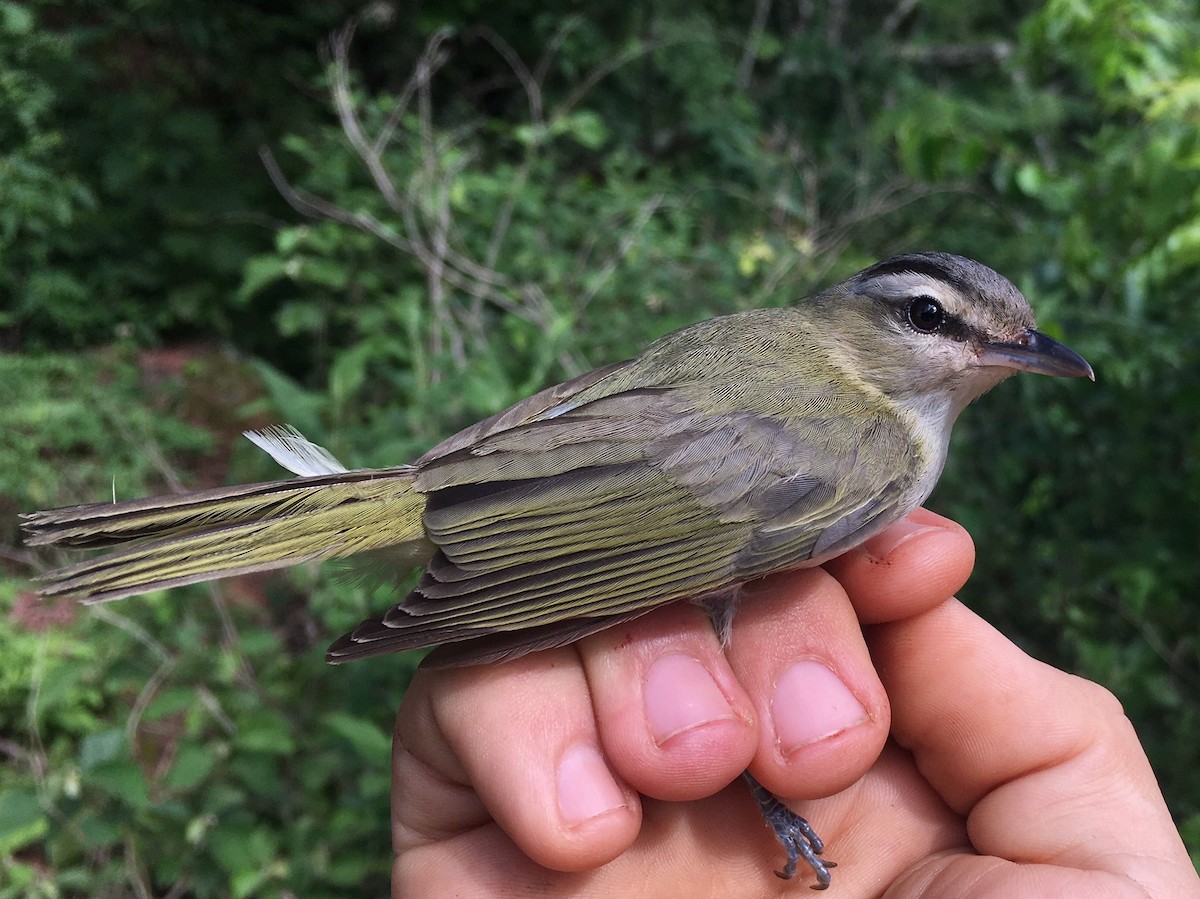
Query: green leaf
{"points": [[15, 19], [170, 701], [22, 819], [100, 828], [193, 763], [267, 732], [586, 127], [1030, 179], [259, 272], [368, 740], [123, 780], [102, 747], [324, 272], [243, 849]]}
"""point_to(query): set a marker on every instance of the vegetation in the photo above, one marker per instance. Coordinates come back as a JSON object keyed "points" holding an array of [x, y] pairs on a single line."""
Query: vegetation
{"points": [[212, 217]]}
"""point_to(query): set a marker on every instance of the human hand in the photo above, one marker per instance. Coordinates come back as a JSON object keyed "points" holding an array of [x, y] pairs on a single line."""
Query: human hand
{"points": [[610, 767]]}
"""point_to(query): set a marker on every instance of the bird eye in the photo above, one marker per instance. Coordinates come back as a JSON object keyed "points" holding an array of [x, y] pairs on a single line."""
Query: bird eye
{"points": [[925, 314]]}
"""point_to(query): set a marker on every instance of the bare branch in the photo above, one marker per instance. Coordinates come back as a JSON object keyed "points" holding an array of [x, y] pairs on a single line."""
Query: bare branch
{"points": [[146, 695], [750, 48], [835, 22], [902, 11], [605, 69], [628, 236], [965, 54], [314, 207], [556, 42], [343, 102], [425, 227], [432, 58], [529, 84]]}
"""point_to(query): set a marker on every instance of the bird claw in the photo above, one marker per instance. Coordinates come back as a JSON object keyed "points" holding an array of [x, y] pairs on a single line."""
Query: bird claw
{"points": [[796, 835]]}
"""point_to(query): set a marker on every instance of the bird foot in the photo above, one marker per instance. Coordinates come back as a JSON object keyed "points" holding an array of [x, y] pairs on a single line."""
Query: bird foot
{"points": [[798, 838]]}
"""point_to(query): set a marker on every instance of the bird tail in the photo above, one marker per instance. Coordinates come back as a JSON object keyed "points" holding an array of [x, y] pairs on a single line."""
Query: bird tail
{"points": [[169, 541]]}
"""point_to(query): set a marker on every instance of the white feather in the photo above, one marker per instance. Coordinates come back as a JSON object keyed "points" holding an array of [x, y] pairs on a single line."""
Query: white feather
{"points": [[294, 451]]}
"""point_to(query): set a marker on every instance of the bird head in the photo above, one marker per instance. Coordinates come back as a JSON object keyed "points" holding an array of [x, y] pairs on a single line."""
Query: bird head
{"points": [[937, 330]]}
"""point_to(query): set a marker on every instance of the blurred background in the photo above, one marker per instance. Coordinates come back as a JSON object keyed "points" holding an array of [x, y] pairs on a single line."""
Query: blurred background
{"points": [[380, 223]]}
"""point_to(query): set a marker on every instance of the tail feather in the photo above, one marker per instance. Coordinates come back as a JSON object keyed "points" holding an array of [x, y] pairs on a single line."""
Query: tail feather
{"points": [[175, 540], [109, 524]]}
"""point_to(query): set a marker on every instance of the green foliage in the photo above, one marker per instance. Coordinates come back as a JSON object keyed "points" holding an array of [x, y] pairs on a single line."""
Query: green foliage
{"points": [[1115, 478], [40, 197], [119, 126], [160, 740], [485, 200], [238, 767]]}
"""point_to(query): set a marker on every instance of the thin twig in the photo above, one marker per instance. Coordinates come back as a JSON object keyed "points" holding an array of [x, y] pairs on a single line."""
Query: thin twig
{"points": [[602, 71], [893, 19], [135, 874], [230, 638], [758, 25], [529, 84], [145, 696], [964, 54], [433, 57], [628, 237], [343, 103], [209, 700], [140, 634]]}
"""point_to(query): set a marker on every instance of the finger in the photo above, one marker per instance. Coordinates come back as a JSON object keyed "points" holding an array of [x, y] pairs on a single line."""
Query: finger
{"points": [[908, 568], [674, 721], [1044, 765], [516, 742], [794, 697], [822, 712]]}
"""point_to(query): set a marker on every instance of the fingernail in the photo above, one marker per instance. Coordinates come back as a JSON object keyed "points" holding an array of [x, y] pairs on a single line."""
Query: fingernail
{"points": [[681, 695], [884, 543], [585, 785], [810, 704]]}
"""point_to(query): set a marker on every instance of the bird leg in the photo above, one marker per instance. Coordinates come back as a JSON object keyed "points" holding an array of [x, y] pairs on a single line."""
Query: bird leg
{"points": [[799, 840]]}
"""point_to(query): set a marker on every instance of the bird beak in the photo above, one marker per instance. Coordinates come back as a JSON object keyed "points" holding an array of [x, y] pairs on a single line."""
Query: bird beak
{"points": [[1034, 351]]}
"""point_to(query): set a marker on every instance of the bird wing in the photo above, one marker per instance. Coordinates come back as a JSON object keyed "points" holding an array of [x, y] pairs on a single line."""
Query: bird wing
{"points": [[577, 513]]}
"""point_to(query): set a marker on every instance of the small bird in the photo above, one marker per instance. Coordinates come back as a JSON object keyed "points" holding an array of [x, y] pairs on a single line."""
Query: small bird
{"points": [[739, 446]]}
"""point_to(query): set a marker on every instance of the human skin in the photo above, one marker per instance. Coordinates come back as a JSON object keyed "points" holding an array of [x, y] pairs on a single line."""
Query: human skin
{"points": [[932, 755]]}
